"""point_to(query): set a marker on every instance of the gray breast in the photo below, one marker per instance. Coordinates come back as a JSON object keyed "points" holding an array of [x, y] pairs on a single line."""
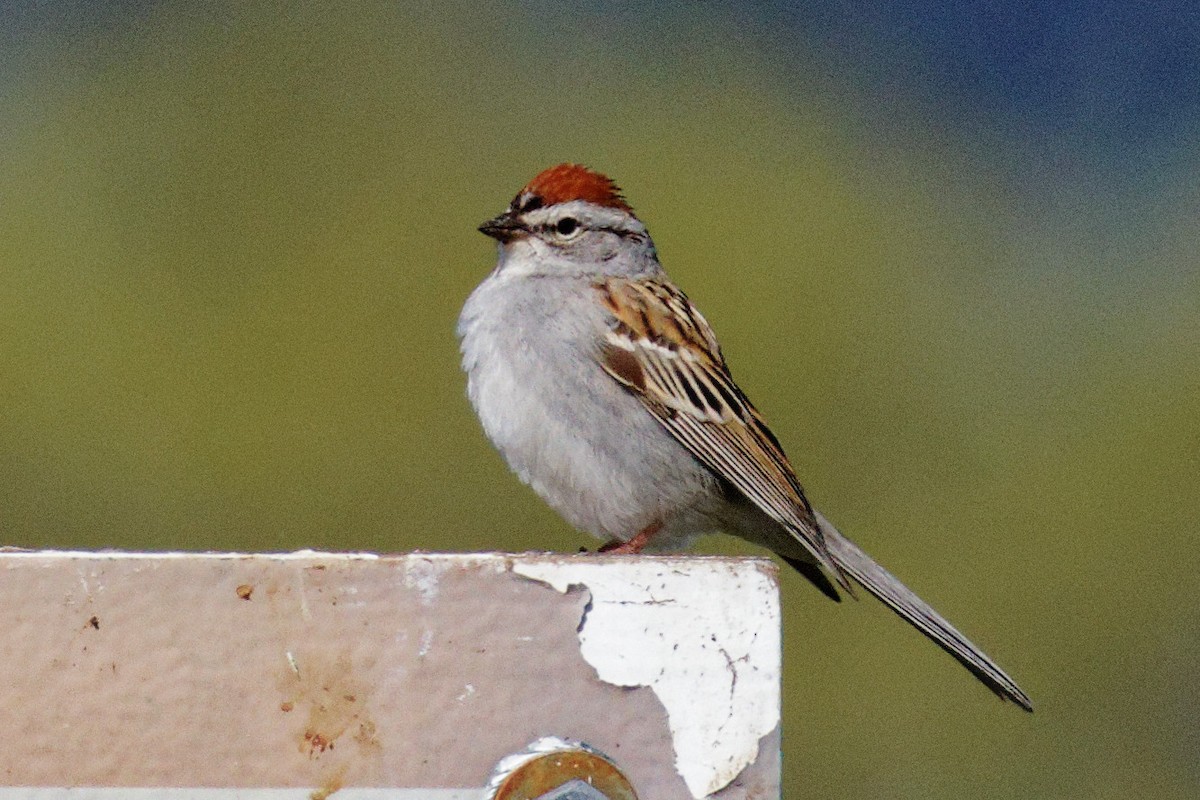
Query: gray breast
{"points": [[585, 444]]}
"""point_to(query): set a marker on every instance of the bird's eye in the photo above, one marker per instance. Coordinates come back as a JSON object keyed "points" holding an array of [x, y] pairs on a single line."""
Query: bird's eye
{"points": [[566, 226]]}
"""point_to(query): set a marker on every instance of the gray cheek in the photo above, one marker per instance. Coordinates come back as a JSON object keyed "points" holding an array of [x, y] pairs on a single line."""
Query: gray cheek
{"points": [[599, 252]]}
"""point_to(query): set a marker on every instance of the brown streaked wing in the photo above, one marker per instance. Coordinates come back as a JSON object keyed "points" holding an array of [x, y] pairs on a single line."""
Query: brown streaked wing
{"points": [[662, 349]]}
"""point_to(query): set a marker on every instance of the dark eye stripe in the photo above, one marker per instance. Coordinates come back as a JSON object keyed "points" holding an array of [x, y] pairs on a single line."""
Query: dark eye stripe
{"points": [[624, 234], [527, 202]]}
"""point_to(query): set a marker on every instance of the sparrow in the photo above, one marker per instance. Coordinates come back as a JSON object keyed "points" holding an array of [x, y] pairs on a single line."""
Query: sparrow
{"points": [[605, 390]]}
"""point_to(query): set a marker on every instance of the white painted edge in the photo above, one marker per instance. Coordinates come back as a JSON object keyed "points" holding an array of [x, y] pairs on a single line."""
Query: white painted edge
{"points": [[182, 793], [133, 555], [703, 635], [498, 558]]}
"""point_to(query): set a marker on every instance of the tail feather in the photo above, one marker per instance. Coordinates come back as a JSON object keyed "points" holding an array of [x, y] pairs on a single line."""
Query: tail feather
{"points": [[813, 571], [885, 586]]}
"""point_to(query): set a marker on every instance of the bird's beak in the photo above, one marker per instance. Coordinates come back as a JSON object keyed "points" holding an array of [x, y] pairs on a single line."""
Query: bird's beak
{"points": [[503, 228]]}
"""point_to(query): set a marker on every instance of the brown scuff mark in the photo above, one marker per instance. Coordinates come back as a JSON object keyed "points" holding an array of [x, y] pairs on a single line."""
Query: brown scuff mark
{"points": [[335, 699], [365, 736], [317, 742], [331, 784]]}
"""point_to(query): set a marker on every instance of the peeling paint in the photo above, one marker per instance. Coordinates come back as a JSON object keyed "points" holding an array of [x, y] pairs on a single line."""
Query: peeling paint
{"points": [[703, 636], [349, 661]]}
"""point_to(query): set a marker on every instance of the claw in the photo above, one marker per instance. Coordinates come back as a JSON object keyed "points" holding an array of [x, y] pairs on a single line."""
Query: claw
{"points": [[635, 545]]}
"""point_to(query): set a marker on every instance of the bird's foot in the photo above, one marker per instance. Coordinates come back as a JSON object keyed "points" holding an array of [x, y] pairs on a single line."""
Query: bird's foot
{"points": [[635, 545]]}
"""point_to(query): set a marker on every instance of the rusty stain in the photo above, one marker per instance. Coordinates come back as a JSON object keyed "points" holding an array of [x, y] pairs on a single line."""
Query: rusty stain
{"points": [[333, 783], [334, 698], [244, 591], [317, 742], [365, 736]]}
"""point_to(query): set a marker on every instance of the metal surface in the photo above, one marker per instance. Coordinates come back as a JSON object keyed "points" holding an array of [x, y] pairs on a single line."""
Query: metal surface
{"points": [[329, 674], [559, 769]]}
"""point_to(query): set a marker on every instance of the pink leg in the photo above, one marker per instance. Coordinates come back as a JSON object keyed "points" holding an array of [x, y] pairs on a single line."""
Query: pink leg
{"points": [[634, 545]]}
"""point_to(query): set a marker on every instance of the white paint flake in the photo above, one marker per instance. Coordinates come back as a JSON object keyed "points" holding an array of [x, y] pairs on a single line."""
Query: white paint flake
{"points": [[702, 634]]}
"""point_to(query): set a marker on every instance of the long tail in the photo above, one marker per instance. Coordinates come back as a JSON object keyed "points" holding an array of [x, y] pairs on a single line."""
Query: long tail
{"points": [[916, 612]]}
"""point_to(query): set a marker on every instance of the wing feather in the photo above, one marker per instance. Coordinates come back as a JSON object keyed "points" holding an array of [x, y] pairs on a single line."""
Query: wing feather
{"points": [[684, 382], [661, 349]]}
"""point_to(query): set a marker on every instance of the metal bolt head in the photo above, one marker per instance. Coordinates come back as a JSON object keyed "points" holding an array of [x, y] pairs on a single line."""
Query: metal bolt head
{"points": [[575, 789], [559, 769]]}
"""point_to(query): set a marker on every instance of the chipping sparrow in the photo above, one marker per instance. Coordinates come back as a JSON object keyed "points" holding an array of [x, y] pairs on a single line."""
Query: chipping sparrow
{"points": [[606, 391]]}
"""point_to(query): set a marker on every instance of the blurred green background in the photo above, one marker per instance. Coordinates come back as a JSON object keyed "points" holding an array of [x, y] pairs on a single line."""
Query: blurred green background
{"points": [[952, 255]]}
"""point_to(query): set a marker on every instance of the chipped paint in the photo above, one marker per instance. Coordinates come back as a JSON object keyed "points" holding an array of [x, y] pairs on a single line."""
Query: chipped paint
{"points": [[421, 575], [330, 663], [702, 634]]}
